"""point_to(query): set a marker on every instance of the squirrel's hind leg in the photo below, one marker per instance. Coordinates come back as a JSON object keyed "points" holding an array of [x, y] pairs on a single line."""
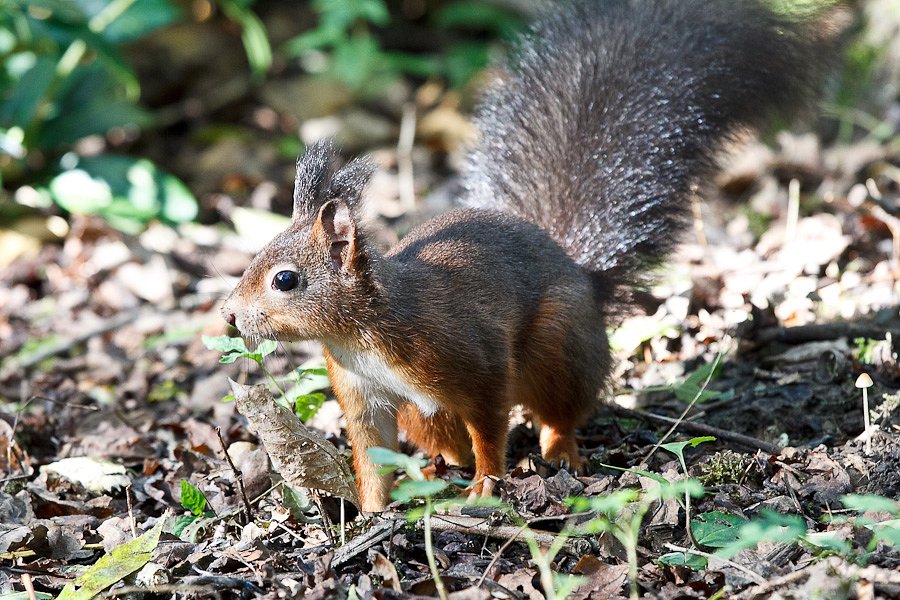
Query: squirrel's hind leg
{"points": [[564, 369], [442, 433]]}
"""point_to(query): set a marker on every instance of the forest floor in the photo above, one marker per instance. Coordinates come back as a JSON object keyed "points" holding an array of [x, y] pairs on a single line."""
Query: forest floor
{"points": [[748, 349]]}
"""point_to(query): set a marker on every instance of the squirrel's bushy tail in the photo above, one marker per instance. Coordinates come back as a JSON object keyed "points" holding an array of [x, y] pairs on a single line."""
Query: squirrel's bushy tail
{"points": [[614, 109]]}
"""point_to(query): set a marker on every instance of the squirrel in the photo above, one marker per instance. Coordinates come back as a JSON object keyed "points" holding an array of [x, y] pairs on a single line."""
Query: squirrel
{"points": [[580, 182]]}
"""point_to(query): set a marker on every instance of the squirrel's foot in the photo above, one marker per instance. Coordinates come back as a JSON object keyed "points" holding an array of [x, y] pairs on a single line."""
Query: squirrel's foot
{"points": [[559, 449], [483, 487], [547, 466]]}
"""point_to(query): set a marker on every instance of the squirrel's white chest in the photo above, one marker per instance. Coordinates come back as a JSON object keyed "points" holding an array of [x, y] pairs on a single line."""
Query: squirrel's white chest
{"points": [[381, 385]]}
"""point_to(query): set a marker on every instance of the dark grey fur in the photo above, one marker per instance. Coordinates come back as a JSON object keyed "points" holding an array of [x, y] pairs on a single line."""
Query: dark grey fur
{"points": [[615, 108], [317, 181]]}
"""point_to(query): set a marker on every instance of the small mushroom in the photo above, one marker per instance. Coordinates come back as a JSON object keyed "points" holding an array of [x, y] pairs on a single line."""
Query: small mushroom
{"points": [[864, 382]]}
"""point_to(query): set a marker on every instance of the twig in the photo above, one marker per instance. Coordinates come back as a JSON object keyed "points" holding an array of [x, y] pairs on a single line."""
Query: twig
{"points": [[793, 211], [498, 554], [404, 157], [201, 583], [464, 524], [689, 426], [844, 570], [238, 476], [327, 525], [754, 577], [103, 326], [697, 213], [512, 539], [365, 540], [131, 520], [686, 410]]}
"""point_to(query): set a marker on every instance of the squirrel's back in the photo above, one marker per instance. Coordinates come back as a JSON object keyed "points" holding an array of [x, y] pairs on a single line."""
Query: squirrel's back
{"points": [[616, 108]]}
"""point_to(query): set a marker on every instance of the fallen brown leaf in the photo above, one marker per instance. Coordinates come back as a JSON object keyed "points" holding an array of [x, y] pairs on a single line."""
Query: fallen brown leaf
{"points": [[302, 456]]}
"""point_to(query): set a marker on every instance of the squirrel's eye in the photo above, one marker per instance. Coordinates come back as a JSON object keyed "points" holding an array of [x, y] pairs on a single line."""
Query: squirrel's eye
{"points": [[285, 281]]}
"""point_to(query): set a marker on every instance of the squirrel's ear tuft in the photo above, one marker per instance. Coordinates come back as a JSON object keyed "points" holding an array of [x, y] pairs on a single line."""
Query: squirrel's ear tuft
{"points": [[314, 172], [317, 182], [336, 222]]}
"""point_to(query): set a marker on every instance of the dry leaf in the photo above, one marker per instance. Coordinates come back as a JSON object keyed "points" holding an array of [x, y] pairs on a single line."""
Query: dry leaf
{"points": [[302, 456]]}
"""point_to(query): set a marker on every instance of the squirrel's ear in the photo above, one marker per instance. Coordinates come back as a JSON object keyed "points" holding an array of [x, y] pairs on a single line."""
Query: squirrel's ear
{"points": [[336, 222]]}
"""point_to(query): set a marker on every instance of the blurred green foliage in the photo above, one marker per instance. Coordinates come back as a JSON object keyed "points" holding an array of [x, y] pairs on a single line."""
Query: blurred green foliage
{"points": [[63, 78], [346, 35]]}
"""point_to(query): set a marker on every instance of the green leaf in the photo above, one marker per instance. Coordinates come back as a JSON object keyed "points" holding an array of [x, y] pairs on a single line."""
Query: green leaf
{"points": [[398, 460], [181, 523], [265, 348], [122, 561], [318, 371], [655, 477], [564, 584], [253, 34], [472, 14], [870, 503], [79, 193], [297, 502], [19, 103], [357, 59], [683, 559], [768, 526], [320, 37], [307, 405], [677, 448], [127, 192], [192, 499], [94, 118], [887, 532], [829, 541], [717, 529], [695, 384], [138, 18], [613, 503], [225, 344], [676, 489], [409, 489]]}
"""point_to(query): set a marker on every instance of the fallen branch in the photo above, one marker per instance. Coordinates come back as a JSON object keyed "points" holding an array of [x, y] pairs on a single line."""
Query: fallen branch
{"points": [[367, 539], [740, 439], [820, 332]]}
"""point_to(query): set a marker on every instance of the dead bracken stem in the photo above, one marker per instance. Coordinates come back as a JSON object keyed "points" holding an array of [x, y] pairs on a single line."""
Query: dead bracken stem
{"points": [[327, 525], [238, 477], [131, 520], [343, 524]]}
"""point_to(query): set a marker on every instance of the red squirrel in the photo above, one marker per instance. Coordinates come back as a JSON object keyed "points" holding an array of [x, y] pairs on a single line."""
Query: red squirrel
{"points": [[588, 149]]}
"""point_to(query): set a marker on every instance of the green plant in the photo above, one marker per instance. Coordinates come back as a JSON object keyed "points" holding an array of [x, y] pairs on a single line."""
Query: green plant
{"points": [[724, 467], [253, 34], [886, 531], [193, 501], [346, 35], [62, 79], [622, 512], [416, 486], [302, 398]]}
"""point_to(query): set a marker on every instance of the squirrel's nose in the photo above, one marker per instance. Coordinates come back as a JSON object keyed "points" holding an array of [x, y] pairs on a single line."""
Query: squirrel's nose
{"points": [[232, 320]]}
